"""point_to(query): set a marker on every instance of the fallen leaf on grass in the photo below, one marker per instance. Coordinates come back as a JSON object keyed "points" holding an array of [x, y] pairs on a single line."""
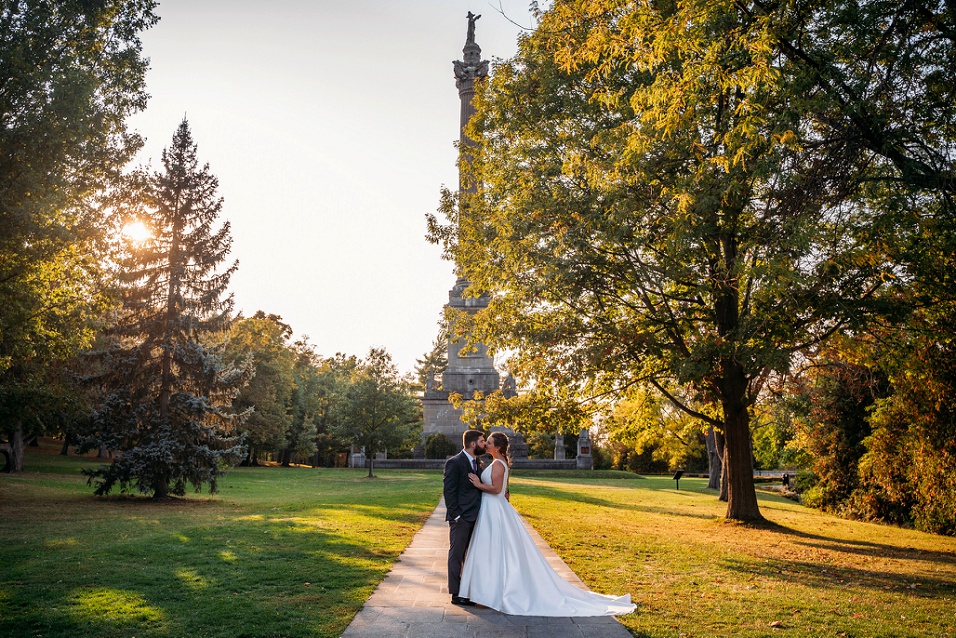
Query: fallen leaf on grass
{"points": [[776, 624]]}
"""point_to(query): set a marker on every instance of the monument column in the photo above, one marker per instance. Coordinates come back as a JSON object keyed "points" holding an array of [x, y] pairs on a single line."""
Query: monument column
{"points": [[469, 370]]}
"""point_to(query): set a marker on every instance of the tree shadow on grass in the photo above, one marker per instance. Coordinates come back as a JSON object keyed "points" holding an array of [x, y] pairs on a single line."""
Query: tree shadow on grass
{"points": [[824, 575], [564, 496], [861, 547]]}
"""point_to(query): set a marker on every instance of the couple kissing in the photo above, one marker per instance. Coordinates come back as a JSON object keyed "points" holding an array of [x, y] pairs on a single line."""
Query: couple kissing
{"points": [[492, 560]]}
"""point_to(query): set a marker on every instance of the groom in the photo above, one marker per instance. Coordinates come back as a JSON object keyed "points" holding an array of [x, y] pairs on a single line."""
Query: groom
{"points": [[462, 500]]}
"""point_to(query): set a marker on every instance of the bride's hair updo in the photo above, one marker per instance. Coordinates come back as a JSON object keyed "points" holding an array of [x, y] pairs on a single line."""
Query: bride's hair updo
{"points": [[500, 441]]}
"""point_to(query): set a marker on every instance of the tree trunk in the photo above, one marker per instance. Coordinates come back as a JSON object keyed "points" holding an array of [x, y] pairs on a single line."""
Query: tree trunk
{"points": [[723, 476], [286, 456], [65, 450], [738, 464], [371, 462], [714, 464], [13, 451], [160, 489]]}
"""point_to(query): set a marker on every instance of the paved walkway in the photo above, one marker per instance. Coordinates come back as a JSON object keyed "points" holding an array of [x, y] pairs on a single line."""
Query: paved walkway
{"points": [[413, 600]]}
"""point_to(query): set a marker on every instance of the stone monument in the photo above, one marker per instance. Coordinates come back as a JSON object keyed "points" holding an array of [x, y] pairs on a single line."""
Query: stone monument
{"points": [[585, 457], [469, 369]]}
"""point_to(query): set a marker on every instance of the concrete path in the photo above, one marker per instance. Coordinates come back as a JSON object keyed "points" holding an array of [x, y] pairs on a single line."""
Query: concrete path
{"points": [[413, 600]]}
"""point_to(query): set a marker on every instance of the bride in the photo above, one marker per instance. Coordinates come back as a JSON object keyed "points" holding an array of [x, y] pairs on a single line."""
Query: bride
{"points": [[504, 569]]}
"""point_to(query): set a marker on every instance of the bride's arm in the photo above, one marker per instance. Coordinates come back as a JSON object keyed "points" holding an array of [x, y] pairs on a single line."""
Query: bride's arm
{"points": [[497, 480]]}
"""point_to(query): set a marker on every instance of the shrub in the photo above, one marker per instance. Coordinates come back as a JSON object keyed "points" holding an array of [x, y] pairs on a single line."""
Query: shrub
{"points": [[439, 446]]}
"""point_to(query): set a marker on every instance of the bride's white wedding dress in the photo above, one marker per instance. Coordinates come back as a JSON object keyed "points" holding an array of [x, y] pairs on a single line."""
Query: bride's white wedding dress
{"points": [[505, 571]]}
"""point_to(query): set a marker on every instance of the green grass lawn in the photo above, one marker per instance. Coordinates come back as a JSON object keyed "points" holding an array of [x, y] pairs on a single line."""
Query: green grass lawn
{"points": [[278, 552], [296, 551], [694, 574]]}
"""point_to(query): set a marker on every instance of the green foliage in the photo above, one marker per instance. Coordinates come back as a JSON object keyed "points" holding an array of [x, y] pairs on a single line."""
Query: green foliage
{"points": [[303, 435], [376, 408], [652, 436], [70, 75], [775, 430], [540, 445], [840, 394], [640, 461], [544, 408], [687, 195], [601, 456], [909, 470], [165, 391], [262, 342], [433, 362], [438, 446], [325, 392]]}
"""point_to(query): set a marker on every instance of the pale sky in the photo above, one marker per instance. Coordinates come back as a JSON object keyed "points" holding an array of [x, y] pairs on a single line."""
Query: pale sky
{"points": [[331, 128]]}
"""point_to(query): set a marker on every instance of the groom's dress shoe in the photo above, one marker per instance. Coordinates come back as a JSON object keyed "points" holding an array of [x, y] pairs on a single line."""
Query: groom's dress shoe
{"points": [[458, 600]]}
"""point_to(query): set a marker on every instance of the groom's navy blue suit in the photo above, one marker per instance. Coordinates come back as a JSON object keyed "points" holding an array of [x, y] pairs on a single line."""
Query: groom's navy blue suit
{"points": [[462, 501]]}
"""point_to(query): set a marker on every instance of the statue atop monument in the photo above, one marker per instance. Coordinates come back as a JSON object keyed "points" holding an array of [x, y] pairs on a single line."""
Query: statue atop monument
{"points": [[472, 18], [471, 66]]}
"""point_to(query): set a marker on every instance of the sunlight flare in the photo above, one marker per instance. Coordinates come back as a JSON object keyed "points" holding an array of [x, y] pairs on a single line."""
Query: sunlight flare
{"points": [[137, 232]]}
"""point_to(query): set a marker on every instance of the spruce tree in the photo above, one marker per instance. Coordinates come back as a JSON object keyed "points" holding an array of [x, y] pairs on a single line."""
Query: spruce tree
{"points": [[165, 389]]}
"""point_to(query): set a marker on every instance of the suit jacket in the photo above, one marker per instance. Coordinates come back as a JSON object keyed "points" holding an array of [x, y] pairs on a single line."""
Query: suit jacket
{"points": [[461, 497]]}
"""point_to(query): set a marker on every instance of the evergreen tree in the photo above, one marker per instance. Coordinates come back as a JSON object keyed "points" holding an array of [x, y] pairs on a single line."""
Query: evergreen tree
{"points": [[434, 361], [166, 392]]}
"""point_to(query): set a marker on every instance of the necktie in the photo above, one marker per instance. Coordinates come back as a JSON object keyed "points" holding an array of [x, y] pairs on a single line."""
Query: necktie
{"points": [[474, 464]]}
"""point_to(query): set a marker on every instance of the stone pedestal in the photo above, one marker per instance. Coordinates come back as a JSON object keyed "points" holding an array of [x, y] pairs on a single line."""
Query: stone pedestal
{"points": [[559, 453], [357, 457], [517, 447], [585, 458]]}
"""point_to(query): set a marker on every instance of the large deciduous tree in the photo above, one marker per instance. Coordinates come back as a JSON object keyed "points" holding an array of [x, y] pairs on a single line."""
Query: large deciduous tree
{"points": [[376, 409], [167, 395], [261, 340], [70, 74], [690, 193]]}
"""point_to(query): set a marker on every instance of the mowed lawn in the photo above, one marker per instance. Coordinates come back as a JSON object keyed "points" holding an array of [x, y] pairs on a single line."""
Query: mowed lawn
{"points": [[296, 551], [277, 552], [692, 573]]}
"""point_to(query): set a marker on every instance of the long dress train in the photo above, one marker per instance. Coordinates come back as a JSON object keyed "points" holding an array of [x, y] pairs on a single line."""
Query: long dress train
{"points": [[505, 570]]}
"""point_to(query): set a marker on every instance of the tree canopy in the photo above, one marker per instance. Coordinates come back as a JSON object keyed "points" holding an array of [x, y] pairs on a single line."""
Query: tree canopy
{"points": [[691, 194], [376, 408], [70, 74]]}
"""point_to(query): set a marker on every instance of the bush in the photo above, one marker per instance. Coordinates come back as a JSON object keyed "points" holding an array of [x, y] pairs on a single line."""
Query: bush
{"points": [[439, 446], [601, 456], [803, 481]]}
